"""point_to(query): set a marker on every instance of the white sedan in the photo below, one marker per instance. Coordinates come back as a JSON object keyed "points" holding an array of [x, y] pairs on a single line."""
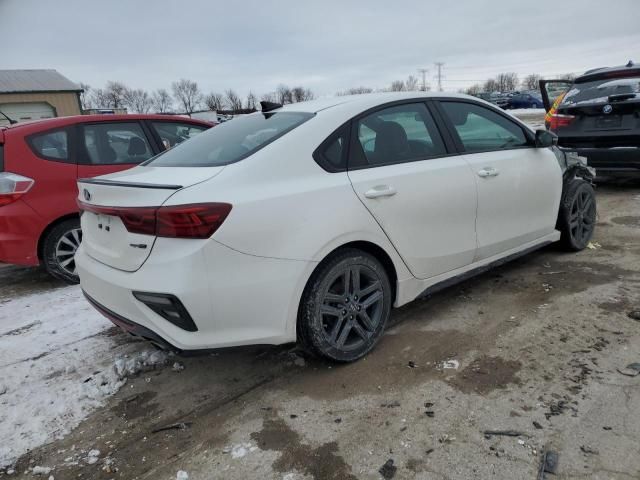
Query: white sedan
{"points": [[310, 221]]}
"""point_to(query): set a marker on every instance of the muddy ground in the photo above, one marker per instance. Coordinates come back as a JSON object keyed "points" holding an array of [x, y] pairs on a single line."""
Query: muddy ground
{"points": [[538, 345]]}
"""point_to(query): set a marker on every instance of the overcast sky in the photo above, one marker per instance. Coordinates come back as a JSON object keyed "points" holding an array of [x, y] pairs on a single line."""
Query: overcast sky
{"points": [[326, 45]]}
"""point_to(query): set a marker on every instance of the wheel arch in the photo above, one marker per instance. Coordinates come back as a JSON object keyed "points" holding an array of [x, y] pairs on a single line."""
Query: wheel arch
{"points": [[50, 227]]}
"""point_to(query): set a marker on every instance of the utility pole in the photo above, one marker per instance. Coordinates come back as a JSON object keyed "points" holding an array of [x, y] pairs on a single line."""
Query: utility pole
{"points": [[424, 72], [439, 66]]}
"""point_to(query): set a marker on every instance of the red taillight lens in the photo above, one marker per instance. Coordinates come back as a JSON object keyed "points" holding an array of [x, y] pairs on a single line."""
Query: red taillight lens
{"points": [[557, 121], [191, 221], [198, 220], [12, 187]]}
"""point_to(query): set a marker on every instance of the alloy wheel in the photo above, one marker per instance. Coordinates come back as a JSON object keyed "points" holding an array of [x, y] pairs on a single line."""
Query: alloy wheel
{"points": [[66, 249], [582, 217], [352, 307]]}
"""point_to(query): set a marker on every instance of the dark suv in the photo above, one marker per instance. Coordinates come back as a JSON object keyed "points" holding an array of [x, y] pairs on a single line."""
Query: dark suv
{"points": [[598, 115]]}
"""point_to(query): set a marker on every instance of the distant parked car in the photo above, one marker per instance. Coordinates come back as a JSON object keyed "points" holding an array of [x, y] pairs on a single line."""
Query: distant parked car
{"points": [[40, 163], [597, 116], [525, 100]]}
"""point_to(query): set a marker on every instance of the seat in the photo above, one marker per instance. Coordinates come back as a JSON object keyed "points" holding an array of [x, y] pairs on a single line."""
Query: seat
{"points": [[137, 148], [391, 143]]}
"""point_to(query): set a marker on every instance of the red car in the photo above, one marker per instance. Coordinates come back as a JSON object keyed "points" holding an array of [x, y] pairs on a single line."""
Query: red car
{"points": [[40, 163]]}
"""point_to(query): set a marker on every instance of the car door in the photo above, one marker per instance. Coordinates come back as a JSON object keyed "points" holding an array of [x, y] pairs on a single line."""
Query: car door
{"points": [[422, 195], [112, 146], [518, 185]]}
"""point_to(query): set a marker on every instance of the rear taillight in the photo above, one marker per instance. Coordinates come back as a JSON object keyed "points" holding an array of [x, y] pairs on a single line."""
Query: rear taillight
{"points": [[198, 220], [557, 121], [12, 187]]}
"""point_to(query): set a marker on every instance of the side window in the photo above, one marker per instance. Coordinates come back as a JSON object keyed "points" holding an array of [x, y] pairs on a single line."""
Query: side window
{"points": [[115, 142], [481, 129], [174, 133], [394, 135], [53, 145], [332, 153]]}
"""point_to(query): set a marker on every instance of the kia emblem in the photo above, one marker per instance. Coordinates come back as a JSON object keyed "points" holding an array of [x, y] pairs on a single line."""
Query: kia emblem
{"points": [[607, 109], [86, 194]]}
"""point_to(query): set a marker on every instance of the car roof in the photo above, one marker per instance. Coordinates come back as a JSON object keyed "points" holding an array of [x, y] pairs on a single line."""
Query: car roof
{"points": [[605, 72], [47, 123], [365, 101]]}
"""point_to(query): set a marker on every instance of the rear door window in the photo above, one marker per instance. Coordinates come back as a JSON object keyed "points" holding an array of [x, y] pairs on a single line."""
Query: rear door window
{"points": [[403, 133], [231, 141], [174, 133], [481, 129], [51, 145], [603, 91], [115, 143]]}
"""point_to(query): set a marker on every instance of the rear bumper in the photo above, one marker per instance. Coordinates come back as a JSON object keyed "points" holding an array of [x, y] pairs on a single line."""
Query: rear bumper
{"points": [[20, 228], [613, 160], [234, 299]]}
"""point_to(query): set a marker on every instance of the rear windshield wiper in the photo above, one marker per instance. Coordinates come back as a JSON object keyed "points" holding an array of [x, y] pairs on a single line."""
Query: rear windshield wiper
{"points": [[621, 96]]}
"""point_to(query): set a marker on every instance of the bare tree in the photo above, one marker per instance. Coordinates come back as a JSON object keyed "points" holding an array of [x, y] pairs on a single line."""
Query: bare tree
{"points": [[97, 98], [85, 97], [411, 83], [283, 94], [530, 82], [214, 101], [491, 85], [269, 97], [567, 76], [301, 94], [397, 86], [161, 101], [233, 100], [473, 90], [114, 93], [137, 100], [507, 82], [252, 101], [355, 91], [187, 94]]}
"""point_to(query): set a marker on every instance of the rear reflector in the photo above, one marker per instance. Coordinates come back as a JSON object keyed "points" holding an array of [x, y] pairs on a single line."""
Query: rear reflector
{"points": [[12, 187], [557, 121], [168, 307], [199, 220]]}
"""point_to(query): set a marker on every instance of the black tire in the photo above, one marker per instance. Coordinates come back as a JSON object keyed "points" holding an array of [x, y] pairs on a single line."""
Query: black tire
{"points": [[58, 247], [577, 215], [341, 318]]}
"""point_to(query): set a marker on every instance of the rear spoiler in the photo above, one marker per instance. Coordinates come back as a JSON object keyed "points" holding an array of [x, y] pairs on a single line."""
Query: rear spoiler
{"points": [[112, 183]]}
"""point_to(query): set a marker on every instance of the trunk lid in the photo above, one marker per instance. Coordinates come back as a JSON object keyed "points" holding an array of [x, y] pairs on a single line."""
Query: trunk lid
{"points": [[111, 204]]}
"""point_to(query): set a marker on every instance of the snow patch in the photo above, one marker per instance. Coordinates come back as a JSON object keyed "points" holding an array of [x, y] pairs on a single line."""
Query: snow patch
{"points": [[240, 450], [182, 475], [56, 365]]}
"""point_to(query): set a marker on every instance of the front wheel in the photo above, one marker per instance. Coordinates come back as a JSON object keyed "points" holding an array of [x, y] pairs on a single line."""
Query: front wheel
{"points": [[59, 249], [345, 306], [577, 215]]}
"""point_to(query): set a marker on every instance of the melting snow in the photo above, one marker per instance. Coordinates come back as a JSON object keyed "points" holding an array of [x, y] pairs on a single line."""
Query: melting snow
{"points": [[56, 366]]}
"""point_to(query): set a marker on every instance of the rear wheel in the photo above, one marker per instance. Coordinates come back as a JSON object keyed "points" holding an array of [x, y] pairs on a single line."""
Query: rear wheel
{"points": [[345, 306], [59, 248], [577, 216]]}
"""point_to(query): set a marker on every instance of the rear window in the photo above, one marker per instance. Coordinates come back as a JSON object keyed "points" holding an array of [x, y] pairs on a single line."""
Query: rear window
{"points": [[231, 141], [1, 157], [51, 145], [599, 91]]}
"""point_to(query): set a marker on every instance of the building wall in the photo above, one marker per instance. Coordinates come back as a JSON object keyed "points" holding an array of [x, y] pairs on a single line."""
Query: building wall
{"points": [[64, 103]]}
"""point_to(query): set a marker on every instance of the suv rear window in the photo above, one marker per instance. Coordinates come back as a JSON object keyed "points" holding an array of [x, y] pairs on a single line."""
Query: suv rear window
{"points": [[231, 141], [599, 91]]}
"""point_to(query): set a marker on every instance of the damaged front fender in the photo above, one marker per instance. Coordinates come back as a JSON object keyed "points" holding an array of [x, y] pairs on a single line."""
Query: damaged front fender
{"points": [[573, 165]]}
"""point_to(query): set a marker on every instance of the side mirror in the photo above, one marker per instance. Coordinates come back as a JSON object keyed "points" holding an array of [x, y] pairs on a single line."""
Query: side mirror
{"points": [[544, 138]]}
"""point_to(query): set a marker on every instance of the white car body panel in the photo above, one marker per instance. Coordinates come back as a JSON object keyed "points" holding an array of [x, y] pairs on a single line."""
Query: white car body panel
{"points": [[244, 284]]}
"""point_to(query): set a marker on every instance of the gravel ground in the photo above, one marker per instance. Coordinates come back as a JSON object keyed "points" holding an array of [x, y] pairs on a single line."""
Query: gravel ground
{"points": [[538, 345]]}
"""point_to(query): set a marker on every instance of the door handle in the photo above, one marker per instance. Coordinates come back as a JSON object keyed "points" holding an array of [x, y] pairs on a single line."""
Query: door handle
{"points": [[488, 172], [380, 191]]}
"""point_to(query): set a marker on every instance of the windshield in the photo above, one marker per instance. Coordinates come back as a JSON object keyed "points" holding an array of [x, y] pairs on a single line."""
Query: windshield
{"points": [[599, 91], [231, 141]]}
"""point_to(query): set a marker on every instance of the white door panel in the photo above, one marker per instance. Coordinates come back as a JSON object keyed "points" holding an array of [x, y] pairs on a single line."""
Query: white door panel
{"points": [[518, 197], [427, 209]]}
